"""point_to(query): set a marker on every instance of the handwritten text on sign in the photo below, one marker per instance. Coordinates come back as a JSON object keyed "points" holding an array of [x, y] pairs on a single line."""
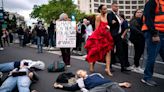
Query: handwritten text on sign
{"points": [[65, 34]]}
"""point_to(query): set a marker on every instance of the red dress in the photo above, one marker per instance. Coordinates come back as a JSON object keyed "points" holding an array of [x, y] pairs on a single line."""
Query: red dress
{"points": [[99, 43]]}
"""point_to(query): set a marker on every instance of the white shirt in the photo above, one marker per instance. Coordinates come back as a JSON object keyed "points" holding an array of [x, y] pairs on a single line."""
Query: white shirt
{"points": [[119, 20]]}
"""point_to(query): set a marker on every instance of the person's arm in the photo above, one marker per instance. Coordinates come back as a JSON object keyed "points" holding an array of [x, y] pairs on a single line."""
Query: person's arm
{"points": [[126, 26], [133, 27], [149, 13], [125, 84], [74, 87], [97, 21]]}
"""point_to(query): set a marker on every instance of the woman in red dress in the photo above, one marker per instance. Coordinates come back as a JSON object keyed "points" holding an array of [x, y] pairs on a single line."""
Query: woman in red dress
{"points": [[100, 43]]}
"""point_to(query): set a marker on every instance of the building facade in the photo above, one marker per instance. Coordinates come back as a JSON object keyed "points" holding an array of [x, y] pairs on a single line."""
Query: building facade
{"points": [[126, 7]]}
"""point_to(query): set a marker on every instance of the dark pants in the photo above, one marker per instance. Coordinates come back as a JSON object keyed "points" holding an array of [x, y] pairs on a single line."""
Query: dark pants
{"points": [[1, 43], [120, 51], [139, 46], [66, 55]]}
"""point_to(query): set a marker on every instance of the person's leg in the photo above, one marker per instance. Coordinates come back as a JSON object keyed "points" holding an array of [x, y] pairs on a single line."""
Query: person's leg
{"points": [[152, 51], [23, 84], [108, 59], [38, 44], [68, 55], [41, 44], [98, 89], [162, 48], [139, 47], [6, 67], [1, 43], [9, 84]]}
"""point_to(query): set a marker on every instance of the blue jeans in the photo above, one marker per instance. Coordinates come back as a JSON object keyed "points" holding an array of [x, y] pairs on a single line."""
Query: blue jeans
{"points": [[23, 83], [40, 44], [152, 51], [6, 67], [9, 84]]}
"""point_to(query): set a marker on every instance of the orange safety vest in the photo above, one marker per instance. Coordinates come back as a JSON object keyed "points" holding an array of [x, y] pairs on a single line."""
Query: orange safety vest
{"points": [[159, 17]]}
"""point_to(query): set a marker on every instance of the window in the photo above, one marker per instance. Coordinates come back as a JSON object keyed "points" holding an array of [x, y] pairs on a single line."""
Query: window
{"points": [[127, 7], [108, 1], [134, 2], [96, 5], [134, 7], [127, 2], [127, 12], [96, 0], [108, 6], [121, 7], [95, 10], [121, 2], [140, 2], [103, 1], [140, 7], [127, 17], [133, 12], [121, 12]]}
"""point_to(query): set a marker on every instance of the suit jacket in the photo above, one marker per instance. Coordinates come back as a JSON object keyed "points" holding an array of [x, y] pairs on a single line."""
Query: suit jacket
{"points": [[114, 28]]}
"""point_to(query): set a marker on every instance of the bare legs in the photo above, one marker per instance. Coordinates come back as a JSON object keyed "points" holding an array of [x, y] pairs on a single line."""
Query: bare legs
{"points": [[107, 69], [91, 67]]}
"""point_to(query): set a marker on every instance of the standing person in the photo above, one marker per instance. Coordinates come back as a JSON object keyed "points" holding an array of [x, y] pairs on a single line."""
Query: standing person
{"points": [[124, 36], [5, 37], [21, 35], [51, 33], [100, 43], [40, 32], [137, 38], [89, 30], [115, 28], [154, 36], [66, 54], [1, 43]]}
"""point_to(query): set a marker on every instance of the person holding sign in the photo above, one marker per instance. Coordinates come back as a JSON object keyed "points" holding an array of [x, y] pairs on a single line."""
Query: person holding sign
{"points": [[100, 43], [65, 51]]}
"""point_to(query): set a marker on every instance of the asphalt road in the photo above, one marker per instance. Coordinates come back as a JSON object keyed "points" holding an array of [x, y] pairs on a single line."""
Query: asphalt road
{"points": [[45, 84]]}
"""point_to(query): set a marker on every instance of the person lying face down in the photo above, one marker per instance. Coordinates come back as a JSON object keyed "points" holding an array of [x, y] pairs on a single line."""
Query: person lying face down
{"points": [[93, 83], [7, 67]]}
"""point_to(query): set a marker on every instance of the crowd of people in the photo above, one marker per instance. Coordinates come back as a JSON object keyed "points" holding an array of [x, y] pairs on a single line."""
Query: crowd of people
{"points": [[108, 43]]}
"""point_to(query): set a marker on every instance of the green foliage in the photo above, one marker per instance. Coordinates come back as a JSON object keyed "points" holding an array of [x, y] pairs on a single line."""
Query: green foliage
{"points": [[54, 8]]}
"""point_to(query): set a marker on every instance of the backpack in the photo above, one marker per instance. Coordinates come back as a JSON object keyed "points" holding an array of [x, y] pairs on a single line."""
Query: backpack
{"points": [[56, 66], [64, 77]]}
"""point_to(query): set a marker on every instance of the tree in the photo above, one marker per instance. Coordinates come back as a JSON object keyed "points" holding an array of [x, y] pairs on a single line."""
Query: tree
{"points": [[54, 8]]}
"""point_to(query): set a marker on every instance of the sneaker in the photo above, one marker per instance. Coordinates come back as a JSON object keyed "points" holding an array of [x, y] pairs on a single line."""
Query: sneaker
{"points": [[138, 69], [68, 66], [1, 48], [149, 82], [131, 67]]}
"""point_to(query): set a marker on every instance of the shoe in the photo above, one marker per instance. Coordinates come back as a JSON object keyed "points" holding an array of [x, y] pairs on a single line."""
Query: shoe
{"points": [[149, 82], [68, 66], [138, 69], [1, 48], [130, 67], [124, 70]]}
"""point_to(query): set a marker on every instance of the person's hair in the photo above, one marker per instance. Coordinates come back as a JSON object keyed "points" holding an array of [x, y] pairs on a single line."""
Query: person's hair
{"points": [[100, 7], [114, 3], [61, 17], [122, 16], [134, 15]]}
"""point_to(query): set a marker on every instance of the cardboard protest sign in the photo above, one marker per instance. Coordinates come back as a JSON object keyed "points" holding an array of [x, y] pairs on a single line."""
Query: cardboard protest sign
{"points": [[65, 34]]}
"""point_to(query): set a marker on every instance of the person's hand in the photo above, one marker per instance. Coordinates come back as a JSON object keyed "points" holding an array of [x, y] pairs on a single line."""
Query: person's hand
{"points": [[156, 39], [56, 85], [107, 28], [126, 84], [113, 21]]}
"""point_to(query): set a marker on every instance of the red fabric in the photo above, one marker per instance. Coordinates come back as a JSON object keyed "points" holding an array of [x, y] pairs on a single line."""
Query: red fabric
{"points": [[99, 43]]}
